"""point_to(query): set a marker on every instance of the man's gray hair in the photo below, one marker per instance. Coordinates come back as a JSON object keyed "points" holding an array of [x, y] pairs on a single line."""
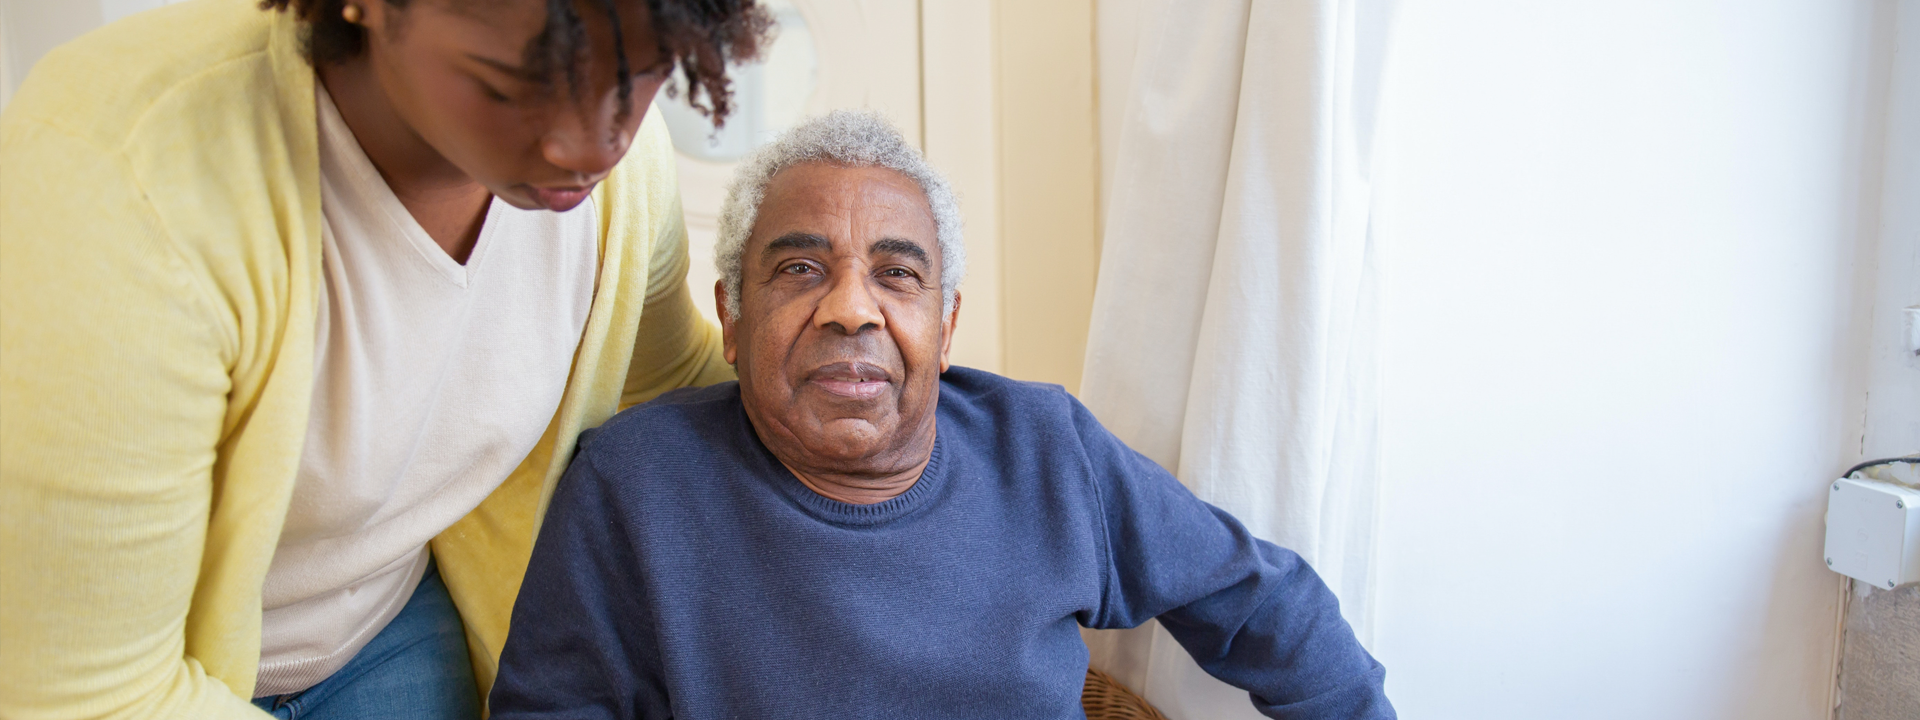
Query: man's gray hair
{"points": [[852, 138]]}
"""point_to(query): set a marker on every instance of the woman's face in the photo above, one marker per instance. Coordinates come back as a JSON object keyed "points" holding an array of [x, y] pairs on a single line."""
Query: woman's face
{"points": [[453, 72]]}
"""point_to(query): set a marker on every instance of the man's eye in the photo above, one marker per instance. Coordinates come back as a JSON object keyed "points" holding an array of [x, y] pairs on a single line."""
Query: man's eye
{"points": [[797, 269], [897, 272]]}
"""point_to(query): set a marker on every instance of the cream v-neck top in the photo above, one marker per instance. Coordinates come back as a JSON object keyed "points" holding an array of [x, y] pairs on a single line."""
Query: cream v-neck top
{"points": [[433, 380]]}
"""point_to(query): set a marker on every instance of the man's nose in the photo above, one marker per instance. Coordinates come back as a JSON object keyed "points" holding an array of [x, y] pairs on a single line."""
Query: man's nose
{"points": [[849, 306], [587, 141]]}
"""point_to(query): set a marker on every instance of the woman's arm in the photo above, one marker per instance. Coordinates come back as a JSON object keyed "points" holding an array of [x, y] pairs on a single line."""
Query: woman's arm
{"points": [[676, 347], [113, 400]]}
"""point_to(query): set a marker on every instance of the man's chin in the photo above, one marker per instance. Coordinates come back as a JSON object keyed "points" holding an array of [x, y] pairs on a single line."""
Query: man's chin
{"points": [[846, 440]]}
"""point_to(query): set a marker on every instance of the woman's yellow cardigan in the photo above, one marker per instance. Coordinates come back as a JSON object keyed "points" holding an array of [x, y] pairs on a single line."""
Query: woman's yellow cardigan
{"points": [[159, 274]]}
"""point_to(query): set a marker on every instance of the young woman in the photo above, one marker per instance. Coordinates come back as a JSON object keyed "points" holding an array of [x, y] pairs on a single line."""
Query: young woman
{"points": [[304, 307]]}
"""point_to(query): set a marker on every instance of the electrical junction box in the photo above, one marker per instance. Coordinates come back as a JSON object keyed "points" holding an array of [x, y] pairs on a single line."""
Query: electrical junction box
{"points": [[1873, 532]]}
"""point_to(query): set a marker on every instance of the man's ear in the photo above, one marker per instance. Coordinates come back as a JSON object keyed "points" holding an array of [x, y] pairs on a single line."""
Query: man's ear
{"points": [[726, 321], [946, 331]]}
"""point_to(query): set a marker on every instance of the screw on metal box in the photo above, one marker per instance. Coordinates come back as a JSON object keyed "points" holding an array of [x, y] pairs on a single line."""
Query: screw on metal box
{"points": [[1836, 487], [1829, 562], [1889, 583], [1902, 504]]}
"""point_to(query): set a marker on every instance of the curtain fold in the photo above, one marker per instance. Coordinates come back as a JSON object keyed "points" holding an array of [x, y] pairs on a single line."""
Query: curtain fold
{"points": [[1235, 320]]}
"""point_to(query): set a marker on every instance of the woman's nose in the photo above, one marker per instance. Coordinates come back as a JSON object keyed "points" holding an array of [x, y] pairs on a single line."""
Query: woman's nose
{"points": [[588, 143], [590, 138]]}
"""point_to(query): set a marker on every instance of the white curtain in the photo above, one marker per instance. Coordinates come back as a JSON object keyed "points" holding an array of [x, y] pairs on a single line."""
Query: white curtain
{"points": [[1235, 320]]}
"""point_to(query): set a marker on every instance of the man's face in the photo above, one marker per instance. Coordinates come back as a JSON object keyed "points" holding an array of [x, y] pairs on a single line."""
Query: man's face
{"points": [[841, 340]]}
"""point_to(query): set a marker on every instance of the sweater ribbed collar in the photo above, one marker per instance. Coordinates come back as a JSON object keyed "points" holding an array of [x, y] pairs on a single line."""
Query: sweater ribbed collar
{"points": [[843, 513]]}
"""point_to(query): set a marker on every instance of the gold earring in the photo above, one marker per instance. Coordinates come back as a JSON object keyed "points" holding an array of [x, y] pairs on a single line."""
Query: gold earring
{"points": [[351, 13]]}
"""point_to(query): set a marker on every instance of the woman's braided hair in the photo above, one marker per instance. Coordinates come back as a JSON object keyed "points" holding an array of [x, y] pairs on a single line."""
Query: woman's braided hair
{"points": [[700, 35]]}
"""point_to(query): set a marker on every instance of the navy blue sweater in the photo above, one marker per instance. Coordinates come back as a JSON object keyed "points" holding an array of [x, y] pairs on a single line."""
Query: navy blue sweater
{"points": [[683, 572]]}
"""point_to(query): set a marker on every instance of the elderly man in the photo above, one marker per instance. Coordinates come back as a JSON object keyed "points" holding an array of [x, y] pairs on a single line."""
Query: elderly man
{"points": [[856, 530]]}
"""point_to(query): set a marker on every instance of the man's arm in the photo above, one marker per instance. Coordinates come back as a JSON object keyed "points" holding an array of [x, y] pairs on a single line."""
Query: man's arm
{"points": [[1251, 613], [582, 642]]}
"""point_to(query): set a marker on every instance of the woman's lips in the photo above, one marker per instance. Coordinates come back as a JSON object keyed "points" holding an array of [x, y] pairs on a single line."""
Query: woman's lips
{"points": [[859, 381], [560, 199]]}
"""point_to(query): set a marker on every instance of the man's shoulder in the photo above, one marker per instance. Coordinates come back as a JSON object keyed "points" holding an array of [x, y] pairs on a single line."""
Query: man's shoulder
{"points": [[978, 392], [678, 421], [973, 383], [692, 398], [1007, 413]]}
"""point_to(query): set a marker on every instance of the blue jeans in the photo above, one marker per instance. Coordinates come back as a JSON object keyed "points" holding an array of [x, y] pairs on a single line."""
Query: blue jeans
{"points": [[417, 668]]}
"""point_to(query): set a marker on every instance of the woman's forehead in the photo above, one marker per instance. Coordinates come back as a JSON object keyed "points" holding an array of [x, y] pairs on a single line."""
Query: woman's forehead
{"points": [[520, 35]]}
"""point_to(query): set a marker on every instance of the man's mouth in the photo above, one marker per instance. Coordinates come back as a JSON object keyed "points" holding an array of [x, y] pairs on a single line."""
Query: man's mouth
{"points": [[851, 380]]}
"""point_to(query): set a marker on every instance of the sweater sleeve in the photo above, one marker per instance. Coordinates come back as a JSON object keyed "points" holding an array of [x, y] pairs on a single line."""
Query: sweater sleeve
{"points": [[675, 347], [1251, 613], [582, 645], [113, 384]]}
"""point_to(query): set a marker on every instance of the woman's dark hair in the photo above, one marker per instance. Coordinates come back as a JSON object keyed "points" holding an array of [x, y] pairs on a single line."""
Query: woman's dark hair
{"points": [[700, 35]]}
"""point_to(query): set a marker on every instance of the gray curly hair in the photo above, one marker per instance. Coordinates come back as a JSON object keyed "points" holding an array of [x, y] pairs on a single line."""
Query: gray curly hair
{"points": [[854, 138]]}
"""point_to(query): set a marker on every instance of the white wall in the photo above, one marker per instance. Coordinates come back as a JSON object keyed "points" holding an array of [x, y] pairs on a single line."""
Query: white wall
{"points": [[29, 28], [1621, 354], [1893, 370], [1880, 672]]}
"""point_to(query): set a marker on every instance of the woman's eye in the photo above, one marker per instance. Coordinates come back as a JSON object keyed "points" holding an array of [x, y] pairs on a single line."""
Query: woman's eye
{"points": [[492, 94]]}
